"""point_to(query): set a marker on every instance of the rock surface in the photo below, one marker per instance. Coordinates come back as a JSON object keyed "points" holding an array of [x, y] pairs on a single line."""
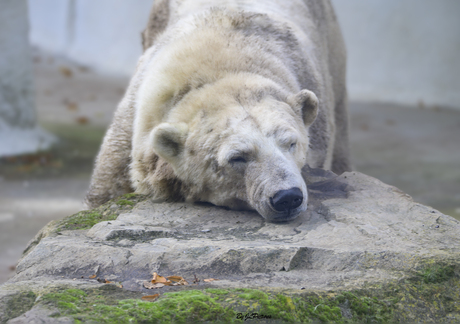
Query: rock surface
{"points": [[356, 232]]}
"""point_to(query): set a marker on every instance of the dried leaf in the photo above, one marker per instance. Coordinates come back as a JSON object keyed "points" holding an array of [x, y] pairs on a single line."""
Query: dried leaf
{"points": [[150, 285], [72, 106], [157, 278], [150, 298], [175, 278], [92, 277], [65, 71], [82, 120], [209, 280]]}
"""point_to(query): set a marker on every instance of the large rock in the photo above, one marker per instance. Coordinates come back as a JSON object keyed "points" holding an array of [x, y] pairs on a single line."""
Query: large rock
{"points": [[357, 233]]}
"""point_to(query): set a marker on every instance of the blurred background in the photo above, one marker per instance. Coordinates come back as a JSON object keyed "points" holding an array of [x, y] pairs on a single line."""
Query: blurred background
{"points": [[65, 64]]}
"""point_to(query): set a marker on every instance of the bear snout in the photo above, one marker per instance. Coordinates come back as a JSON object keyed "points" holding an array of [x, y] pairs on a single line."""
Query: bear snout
{"points": [[287, 200]]}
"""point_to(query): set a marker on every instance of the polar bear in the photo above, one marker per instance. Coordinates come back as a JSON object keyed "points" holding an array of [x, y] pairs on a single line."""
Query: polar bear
{"points": [[230, 100]]}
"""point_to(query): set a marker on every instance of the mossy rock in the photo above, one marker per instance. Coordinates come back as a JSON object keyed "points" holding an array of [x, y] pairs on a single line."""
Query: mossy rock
{"points": [[86, 219], [106, 212], [430, 295], [17, 304]]}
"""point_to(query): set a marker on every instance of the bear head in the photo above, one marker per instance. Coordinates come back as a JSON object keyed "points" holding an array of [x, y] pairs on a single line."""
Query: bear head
{"points": [[240, 142]]}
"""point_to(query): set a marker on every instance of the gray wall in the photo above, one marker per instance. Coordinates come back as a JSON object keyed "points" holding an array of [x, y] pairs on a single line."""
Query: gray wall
{"points": [[401, 51], [404, 51], [103, 34], [19, 133]]}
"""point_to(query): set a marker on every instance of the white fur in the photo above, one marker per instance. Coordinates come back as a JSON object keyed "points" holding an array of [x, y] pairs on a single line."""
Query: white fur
{"points": [[233, 101]]}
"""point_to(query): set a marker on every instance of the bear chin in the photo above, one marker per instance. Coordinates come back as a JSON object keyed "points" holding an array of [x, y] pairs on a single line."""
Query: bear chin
{"points": [[268, 213]]}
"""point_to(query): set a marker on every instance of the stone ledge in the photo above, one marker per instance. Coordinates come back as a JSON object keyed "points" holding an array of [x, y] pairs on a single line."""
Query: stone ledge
{"points": [[358, 234]]}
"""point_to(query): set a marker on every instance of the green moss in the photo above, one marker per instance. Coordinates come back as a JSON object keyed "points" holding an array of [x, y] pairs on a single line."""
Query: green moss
{"points": [[106, 212], [130, 195], [432, 294], [208, 305], [124, 202], [254, 294], [84, 220], [67, 296], [174, 307], [436, 273], [18, 304], [217, 291], [401, 302]]}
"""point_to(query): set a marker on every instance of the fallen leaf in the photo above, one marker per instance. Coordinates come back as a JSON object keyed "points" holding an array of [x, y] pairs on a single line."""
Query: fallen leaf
{"points": [[72, 106], [210, 279], [182, 282], [150, 298], [157, 278], [160, 279], [65, 71], [149, 285], [92, 277], [82, 120], [175, 278]]}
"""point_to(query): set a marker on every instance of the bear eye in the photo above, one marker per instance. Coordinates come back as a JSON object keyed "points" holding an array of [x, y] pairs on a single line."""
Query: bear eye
{"points": [[293, 145], [237, 159]]}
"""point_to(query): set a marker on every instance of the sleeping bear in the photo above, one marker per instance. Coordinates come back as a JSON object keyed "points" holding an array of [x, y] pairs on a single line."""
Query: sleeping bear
{"points": [[230, 100]]}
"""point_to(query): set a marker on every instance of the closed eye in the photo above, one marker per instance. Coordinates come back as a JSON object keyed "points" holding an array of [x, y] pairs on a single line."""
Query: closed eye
{"points": [[237, 159], [293, 145]]}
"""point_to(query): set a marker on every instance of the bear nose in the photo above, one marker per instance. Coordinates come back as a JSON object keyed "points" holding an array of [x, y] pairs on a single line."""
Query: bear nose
{"points": [[285, 200]]}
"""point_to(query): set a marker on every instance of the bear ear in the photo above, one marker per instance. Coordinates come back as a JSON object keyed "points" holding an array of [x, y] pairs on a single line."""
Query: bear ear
{"points": [[168, 140], [306, 104]]}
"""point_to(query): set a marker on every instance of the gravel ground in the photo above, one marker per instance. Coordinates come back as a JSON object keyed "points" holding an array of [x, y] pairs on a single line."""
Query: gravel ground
{"points": [[416, 149]]}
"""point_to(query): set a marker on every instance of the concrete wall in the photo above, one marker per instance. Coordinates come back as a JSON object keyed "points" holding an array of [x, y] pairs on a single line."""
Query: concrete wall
{"points": [[402, 51], [18, 130], [103, 34]]}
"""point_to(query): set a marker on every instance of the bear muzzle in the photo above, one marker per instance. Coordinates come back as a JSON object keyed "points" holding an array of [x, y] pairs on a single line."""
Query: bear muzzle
{"points": [[287, 200], [286, 203]]}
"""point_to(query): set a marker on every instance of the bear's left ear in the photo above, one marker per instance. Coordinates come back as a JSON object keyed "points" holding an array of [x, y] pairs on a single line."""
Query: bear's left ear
{"points": [[168, 140], [305, 103]]}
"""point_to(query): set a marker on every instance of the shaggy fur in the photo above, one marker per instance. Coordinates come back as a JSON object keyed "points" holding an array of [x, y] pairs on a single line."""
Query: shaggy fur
{"points": [[229, 101]]}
